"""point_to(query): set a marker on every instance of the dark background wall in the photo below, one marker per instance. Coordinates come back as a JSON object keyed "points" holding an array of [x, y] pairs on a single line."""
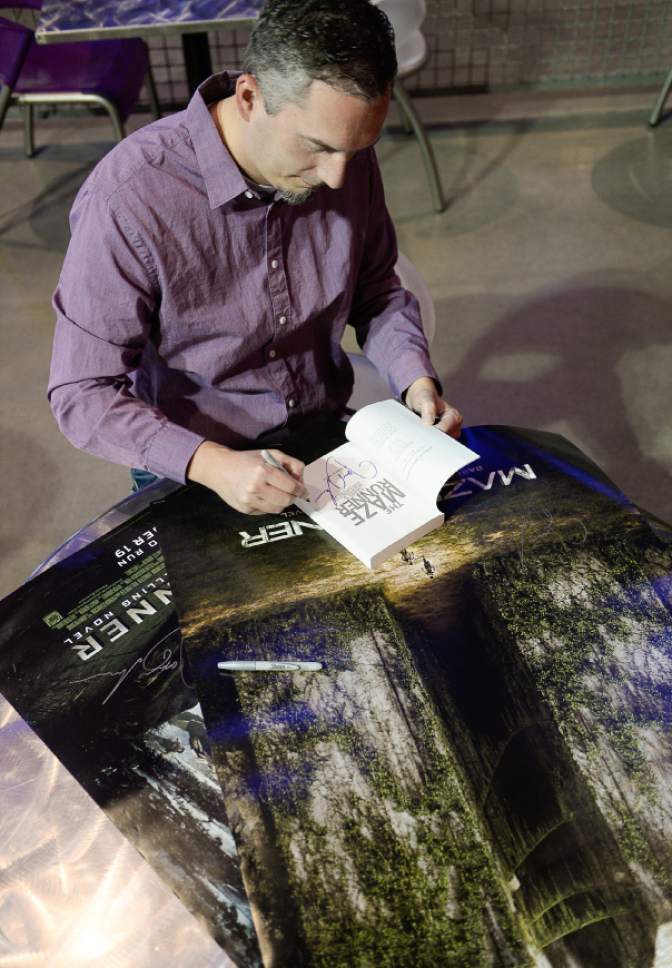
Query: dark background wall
{"points": [[493, 44]]}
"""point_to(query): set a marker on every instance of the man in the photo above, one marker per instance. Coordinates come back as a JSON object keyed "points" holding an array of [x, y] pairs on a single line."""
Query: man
{"points": [[217, 255]]}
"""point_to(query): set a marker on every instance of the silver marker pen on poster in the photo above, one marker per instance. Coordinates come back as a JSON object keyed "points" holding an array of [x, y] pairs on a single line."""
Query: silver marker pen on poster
{"points": [[268, 666]]}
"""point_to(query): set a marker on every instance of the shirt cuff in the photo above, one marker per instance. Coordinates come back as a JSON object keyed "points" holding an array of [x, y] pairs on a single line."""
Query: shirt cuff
{"points": [[404, 372], [169, 451]]}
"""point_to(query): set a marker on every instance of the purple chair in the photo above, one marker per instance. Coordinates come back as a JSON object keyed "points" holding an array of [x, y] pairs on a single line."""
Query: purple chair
{"points": [[105, 73]]}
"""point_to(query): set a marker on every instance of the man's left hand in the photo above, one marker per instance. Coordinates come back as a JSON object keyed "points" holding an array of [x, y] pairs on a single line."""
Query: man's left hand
{"points": [[423, 398]]}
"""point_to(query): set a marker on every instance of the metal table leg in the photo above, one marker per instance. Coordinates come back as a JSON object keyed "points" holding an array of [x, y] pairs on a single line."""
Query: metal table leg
{"points": [[197, 61]]}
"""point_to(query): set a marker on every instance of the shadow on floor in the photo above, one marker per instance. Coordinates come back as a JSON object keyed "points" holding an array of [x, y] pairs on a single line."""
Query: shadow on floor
{"points": [[565, 359], [635, 178]]}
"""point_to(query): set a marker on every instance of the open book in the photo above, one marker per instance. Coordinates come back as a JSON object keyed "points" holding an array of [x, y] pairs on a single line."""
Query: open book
{"points": [[377, 493]]}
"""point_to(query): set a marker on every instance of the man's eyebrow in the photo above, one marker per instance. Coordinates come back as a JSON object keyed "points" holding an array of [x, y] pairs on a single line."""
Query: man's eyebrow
{"points": [[326, 147], [320, 144]]}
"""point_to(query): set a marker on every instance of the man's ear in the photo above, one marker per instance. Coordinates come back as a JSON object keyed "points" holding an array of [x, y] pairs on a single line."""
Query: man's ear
{"points": [[248, 96]]}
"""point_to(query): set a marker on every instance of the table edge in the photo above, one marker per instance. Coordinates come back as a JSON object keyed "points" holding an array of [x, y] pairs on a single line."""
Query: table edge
{"points": [[138, 30]]}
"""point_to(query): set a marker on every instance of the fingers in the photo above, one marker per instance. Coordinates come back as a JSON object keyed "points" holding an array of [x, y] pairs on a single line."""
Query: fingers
{"points": [[450, 422], [272, 502], [425, 405], [281, 481], [260, 497], [245, 480], [292, 465], [435, 412], [268, 489]]}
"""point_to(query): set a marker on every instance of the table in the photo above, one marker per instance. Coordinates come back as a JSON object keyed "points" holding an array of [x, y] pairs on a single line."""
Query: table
{"points": [[119, 513], [444, 693], [73, 891], [66, 20]]}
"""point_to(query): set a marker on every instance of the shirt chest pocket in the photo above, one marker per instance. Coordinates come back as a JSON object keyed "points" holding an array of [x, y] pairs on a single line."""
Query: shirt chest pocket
{"points": [[213, 306]]}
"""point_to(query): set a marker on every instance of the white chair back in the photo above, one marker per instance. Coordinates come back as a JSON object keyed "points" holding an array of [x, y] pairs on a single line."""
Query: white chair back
{"points": [[413, 281], [370, 386], [406, 16]]}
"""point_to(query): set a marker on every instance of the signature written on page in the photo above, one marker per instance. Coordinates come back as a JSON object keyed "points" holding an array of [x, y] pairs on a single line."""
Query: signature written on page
{"points": [[338, 477], [161, 658]]}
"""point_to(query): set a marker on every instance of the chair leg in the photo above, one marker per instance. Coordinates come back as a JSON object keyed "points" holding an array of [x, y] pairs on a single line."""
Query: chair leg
{"points": [[112, 110], [28, 130], [5, 101], [425, 147], [660, 103], [403, 117], [153, 94]]}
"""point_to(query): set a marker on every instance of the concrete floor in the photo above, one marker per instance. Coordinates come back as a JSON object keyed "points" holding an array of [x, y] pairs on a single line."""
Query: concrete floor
{"points": [[551, 271]]}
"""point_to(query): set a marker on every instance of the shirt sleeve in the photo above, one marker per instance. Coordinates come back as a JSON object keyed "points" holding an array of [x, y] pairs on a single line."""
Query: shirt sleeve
{"points": [[386, 316], [106, 304]]}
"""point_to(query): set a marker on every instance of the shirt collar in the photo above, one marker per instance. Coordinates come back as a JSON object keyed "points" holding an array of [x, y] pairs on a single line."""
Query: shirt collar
{"points": [[223, 178]]}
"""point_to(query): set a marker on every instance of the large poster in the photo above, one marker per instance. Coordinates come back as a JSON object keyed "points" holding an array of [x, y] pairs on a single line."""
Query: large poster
{"points": [[479, 773], [91, 657]]}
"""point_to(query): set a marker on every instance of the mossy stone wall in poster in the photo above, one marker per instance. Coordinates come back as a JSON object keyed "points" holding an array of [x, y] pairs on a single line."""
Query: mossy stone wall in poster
{"points": [[477, 776]]}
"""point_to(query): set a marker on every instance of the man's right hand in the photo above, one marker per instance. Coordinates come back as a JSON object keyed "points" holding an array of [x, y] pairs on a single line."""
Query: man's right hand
{"points": [[244, 480]]}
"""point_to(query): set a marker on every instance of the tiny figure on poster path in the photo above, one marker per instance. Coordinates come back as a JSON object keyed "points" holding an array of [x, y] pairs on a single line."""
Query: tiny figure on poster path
{"points": [[195, 729], [430, 570]]}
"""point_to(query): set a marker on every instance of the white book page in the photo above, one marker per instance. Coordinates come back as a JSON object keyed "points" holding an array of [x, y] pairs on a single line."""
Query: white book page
{"points": [[345, 471], [396, 439], [362, 505]]}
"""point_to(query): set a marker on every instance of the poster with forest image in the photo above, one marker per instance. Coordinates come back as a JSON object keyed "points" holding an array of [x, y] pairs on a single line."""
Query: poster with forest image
{"points": [[480, 773]]}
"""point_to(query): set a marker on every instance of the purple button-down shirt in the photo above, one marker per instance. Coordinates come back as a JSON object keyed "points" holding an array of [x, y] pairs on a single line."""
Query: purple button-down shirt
{"points": [[192, 307]]}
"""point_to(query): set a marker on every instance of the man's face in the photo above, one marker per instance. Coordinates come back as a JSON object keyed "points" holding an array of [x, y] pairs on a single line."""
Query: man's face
{"points": [[307, 145]]}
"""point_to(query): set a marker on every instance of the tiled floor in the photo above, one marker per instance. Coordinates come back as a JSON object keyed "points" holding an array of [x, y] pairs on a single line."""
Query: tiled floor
{"points": [[551, 270]]}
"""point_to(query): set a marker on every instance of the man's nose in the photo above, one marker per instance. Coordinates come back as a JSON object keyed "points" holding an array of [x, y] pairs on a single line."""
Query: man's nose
{"points": [[332, 168]]}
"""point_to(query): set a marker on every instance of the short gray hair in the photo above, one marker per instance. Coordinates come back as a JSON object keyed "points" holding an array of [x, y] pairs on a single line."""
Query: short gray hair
{"points": [[349, 45]]}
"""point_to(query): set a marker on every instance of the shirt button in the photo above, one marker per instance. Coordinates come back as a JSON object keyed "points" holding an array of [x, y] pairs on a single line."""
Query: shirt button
{"points": [[291, 402], [274, 264], [249, 194], [282, 320], [272, 354]]}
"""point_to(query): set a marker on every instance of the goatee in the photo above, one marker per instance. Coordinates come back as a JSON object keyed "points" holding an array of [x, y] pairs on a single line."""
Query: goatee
{"points": [[295, 198]]}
